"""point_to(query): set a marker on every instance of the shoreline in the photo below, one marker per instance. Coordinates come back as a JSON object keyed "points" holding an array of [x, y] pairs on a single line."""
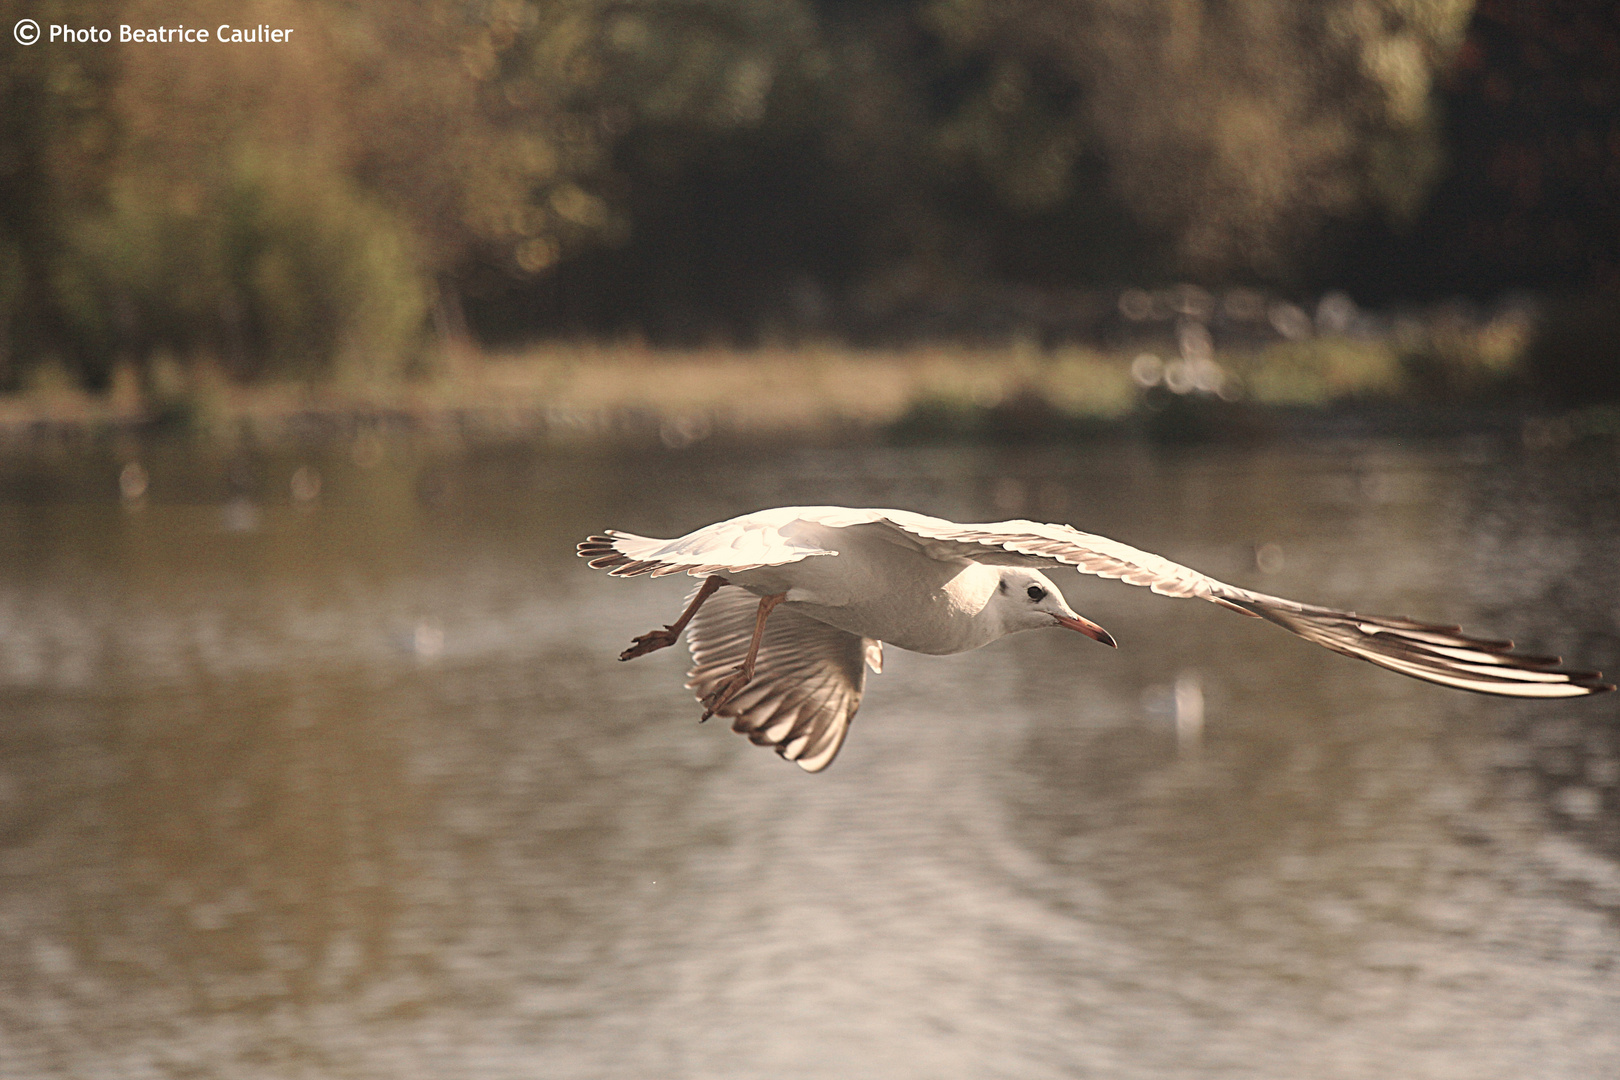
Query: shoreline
{"points": [[604, 394]]}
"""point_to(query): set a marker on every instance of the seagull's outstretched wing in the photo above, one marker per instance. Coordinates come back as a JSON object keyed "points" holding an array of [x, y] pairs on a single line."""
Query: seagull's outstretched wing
{"points": [[807, 682], [766, 538], [1437, 654], [1434, 653]]}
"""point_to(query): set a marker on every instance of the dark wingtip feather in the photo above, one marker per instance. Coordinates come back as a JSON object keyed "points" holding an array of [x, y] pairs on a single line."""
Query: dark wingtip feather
{"points": [[603, 555], [1592, 680], [595, 547], [1432, 652]]}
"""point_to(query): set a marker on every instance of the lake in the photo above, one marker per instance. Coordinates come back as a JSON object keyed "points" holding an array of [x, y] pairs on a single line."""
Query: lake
{"points": [[320, 764]]}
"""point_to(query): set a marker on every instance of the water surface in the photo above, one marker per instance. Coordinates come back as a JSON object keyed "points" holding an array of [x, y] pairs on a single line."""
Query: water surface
{"points": [[347, 782]]}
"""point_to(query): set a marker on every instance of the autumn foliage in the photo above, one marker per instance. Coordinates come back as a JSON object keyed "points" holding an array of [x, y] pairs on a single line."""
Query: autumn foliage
{"points": [[334, 205]]}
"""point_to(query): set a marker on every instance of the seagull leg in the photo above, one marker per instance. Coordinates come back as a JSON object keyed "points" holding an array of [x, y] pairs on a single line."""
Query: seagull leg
{"points": [[725, 691], [660, 639]]}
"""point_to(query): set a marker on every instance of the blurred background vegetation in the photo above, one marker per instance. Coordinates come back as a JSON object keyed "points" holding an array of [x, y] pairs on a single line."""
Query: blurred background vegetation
{"points": [[1198, 185]]}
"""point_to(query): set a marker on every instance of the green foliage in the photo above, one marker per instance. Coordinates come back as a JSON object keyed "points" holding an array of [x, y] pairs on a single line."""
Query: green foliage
{"points": [[716, 64], [1319, 370], [297, 211], [287, 211], [57, 136], [488, 126], [1238, 129], [1446, 358], [281, 269]]}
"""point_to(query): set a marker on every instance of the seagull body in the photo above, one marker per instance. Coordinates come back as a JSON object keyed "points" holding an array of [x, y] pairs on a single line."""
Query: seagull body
{"points": [[796, 603], [857, 579]]}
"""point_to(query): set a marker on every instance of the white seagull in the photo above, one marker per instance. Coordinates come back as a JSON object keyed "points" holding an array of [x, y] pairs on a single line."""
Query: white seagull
{"points": [[796, 603]]}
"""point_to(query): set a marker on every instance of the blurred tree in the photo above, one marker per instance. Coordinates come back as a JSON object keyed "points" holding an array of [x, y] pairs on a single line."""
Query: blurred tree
{"points": [[1236, 128], [291, 208], [231, 229], [488, 124], [760, 156], [809, 166], [899, 151], [1532, 197], [57, 134]]}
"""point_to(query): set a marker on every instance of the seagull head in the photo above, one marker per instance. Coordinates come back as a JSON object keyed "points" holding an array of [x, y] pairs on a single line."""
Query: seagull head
{"points": [[1027, 600]]}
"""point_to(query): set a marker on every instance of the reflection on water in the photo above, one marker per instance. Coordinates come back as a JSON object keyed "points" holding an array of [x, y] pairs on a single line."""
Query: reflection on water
{"points": [[321, 765]]}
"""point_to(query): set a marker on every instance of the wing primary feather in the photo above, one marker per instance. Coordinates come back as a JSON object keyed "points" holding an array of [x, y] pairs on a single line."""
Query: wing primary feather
{"points": [[1430, 653]]}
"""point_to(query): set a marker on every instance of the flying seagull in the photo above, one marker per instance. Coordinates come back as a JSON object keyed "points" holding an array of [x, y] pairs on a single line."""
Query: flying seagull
{"points": [[796, 602]]}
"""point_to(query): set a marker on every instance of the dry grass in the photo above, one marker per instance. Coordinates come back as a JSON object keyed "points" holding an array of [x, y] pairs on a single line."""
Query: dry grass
{"points": [[583, 391], [791, 388]]}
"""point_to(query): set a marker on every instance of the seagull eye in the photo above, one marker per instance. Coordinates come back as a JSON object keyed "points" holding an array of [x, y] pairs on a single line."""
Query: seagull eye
{"points": [[1036, 593]]}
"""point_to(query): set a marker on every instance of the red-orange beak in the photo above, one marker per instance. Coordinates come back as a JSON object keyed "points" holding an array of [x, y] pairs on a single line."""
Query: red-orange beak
{"points": [[1088, 628]]}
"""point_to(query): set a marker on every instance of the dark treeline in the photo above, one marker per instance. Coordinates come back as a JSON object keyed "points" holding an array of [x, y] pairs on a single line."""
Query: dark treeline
{"points": [[693, 169]]}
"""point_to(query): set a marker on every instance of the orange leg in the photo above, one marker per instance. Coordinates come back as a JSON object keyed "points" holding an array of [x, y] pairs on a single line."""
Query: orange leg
{"points": [[740, 678], [660, 639]]}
